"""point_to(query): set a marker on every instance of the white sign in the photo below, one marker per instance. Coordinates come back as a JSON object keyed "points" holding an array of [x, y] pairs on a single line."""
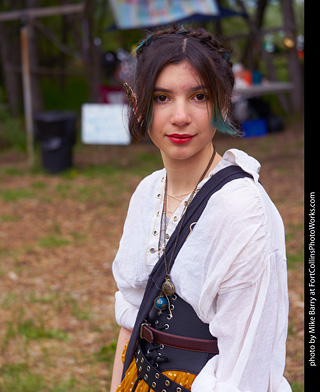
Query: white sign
{"points": [[104, 124]]}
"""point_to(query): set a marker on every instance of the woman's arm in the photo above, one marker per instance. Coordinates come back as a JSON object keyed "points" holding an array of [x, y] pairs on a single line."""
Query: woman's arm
{"points": [[123, 338]]}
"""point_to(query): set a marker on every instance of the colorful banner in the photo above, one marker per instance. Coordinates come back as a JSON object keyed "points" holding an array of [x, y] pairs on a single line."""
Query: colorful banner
{"points": [[131, 14]]}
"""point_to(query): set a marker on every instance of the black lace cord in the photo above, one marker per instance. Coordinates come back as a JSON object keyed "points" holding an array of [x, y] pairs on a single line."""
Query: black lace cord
{"points": [[152, 354]]}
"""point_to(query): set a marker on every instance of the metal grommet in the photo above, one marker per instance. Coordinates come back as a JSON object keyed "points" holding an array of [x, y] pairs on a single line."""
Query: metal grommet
{"points": [[154, 384], [174, 297], [157, 375], [140, 368], [142, 360], [152, 250], [161, 347], [169, 317], [145, 377], [158, 195], [167, 383], [166, 326], [163, 390], [178, 389], [148, 368]]}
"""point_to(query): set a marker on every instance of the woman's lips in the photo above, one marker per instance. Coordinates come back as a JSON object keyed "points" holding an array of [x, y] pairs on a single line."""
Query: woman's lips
{"points": [[180, 139]]}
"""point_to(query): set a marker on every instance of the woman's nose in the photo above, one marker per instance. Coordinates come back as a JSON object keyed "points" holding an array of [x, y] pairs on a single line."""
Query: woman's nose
{"points": [[180, 114]]}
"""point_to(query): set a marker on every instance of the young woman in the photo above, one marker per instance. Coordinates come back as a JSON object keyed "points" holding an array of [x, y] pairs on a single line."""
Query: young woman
{"points": [[219, 305]]}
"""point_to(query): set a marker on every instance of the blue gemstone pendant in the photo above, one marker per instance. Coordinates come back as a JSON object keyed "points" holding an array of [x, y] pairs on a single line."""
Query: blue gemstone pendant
{"points": [[161, 303]]}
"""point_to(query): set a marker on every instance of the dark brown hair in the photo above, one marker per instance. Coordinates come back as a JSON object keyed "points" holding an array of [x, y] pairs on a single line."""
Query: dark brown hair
{"points": [[172, 46]]}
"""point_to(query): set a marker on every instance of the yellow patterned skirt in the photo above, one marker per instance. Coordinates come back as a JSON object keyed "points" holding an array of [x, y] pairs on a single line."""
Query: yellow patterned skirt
{"points": [[182, 378]]}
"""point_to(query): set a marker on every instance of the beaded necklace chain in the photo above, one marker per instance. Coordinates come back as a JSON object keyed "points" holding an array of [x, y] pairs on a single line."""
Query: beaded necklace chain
{"points": [[168, 289]]}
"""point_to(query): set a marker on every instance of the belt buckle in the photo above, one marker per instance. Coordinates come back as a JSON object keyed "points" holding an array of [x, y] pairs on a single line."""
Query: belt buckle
{"points": [[148, 335], [141, 328]]}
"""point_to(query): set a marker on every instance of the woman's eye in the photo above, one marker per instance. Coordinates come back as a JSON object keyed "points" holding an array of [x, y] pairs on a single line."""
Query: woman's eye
{"points": [[201, 97], [160, 98]]}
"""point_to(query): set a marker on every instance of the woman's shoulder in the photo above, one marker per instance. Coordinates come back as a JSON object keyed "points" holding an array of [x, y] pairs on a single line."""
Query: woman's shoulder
{"points": [[242, 195], [242, 159]]}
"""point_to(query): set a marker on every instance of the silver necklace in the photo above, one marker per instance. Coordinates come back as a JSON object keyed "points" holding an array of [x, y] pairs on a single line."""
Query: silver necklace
{"points": [[162, 302]]}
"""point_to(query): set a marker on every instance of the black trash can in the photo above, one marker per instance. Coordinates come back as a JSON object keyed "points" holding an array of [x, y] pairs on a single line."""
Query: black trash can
{"points": [[56, 131]]}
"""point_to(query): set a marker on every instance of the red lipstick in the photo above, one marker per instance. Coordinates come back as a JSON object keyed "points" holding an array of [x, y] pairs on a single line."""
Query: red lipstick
{"points": [[180, 138]]}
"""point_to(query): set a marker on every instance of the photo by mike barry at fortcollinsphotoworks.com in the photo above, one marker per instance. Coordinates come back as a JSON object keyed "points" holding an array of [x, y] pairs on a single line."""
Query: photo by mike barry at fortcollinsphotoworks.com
{"points": [[311, 339]]}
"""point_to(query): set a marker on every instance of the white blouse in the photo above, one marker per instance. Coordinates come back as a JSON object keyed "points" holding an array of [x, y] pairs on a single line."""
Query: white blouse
{"points": [[231, 269]]}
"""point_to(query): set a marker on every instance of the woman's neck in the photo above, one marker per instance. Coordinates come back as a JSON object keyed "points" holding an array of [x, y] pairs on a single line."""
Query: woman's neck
{"points": [[184, 175]]}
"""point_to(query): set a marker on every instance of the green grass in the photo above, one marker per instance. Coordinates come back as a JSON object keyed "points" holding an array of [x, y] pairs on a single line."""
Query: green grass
{"points": [[51, 241], [20, 378], [29, 330], [80, 312], [106, 354], [9, 218], [294, 258], [12, 195], [297, 386]]}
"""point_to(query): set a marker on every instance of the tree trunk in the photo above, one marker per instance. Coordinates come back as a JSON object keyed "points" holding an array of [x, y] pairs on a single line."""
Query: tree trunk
{"points": [[91, 54], [248, 58], [37, 99], [10, 58], [294, 66]]}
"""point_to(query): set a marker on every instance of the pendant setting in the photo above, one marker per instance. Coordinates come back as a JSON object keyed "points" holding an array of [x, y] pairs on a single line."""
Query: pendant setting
{"points": [[168, 287], [161, 303]]}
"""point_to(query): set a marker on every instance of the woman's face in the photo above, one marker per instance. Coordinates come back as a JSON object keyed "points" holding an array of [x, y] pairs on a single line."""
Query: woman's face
{"points": [[181, 126]]}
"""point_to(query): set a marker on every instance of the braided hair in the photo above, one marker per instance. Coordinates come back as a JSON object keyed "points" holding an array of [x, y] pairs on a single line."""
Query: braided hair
{"points": [[204, 52]]}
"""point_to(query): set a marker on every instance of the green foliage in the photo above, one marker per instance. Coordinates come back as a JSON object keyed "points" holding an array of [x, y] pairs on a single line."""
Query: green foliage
{"points": [[67, 96], [12, 134]]}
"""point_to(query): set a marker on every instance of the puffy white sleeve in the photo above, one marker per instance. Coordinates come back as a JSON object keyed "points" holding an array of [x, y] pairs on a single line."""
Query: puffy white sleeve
{"points": [[244, 300]]}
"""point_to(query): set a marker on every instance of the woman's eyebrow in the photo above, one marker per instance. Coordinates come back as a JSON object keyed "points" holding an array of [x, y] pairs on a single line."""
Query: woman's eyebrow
{"points": [[192, 89]]}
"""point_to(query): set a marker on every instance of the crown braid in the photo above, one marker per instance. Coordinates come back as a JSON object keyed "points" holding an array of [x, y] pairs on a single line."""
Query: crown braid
{"points": [[201, 34]]}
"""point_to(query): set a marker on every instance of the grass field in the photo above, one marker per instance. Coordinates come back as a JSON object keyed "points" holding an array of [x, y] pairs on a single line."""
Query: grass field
{"points": [[59, 235]]}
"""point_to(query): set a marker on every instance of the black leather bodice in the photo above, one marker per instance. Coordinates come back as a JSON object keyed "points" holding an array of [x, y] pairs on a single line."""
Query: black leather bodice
{"points": [[182, 321]]}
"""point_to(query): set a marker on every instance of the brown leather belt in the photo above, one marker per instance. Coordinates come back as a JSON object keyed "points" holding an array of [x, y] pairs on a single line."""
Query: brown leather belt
{"points": [[193, 344]]}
